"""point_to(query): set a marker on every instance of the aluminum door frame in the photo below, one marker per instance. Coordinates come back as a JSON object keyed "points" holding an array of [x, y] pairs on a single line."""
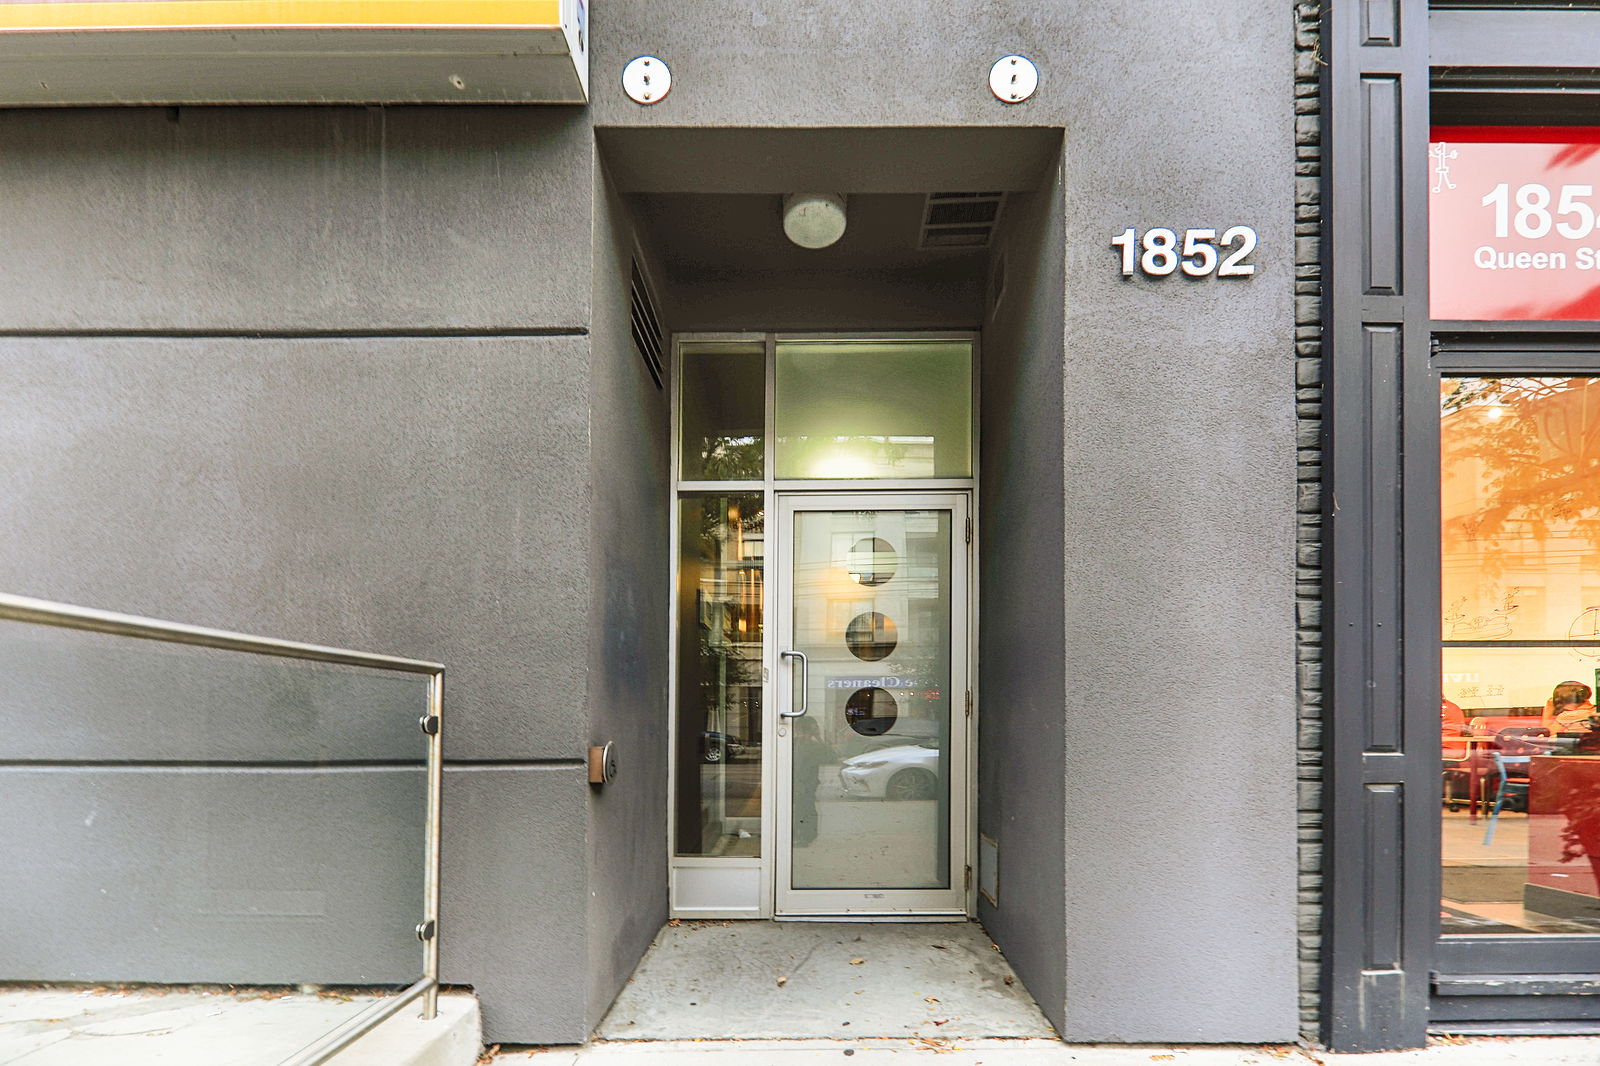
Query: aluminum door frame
{"points": [[953, 901]]}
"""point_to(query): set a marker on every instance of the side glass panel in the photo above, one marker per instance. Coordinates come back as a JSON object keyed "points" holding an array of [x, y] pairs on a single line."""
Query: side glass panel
{"points": [[724, 398], [228, 818], [1520, 621], [718, 746], [871, 755], [874, 409]]}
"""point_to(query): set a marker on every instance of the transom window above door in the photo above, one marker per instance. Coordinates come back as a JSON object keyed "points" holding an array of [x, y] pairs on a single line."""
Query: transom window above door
{"points": [[835, 408]]}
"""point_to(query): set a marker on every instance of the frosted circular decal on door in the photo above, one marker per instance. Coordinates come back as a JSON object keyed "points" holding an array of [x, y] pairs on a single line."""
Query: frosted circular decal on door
{"points": [[871, 711], [872, 561], [871, 636]]}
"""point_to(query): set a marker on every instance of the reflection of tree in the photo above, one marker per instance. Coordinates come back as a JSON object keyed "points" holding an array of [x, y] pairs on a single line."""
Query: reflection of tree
{"points": [[1538, 440], [731, 458]]}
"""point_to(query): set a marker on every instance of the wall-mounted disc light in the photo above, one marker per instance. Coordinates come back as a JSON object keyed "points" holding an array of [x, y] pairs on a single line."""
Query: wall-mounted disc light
{"points": [[646, 80], [1013, 79], [813, 219]]}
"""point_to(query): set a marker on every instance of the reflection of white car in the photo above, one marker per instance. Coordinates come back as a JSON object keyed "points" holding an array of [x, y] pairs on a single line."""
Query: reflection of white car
{"points": [[901, 772]]}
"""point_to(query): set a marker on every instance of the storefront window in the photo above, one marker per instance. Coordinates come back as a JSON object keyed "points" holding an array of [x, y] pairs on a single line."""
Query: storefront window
{"points": [[1520, 626], [720, 626]]}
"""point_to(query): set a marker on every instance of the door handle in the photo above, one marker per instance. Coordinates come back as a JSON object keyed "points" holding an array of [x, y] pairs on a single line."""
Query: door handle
{"points": [[805, 677]]}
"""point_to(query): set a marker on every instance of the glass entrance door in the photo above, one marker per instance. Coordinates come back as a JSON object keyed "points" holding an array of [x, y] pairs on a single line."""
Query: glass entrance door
{"points": [[871, 709], [866, 444]]}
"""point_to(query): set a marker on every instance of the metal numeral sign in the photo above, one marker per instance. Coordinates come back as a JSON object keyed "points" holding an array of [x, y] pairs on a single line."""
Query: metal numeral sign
{"points": [[1199, 253]]}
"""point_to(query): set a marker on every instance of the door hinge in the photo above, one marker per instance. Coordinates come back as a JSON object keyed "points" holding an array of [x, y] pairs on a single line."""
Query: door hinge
{"points": [[969, 703], [969, 531], [966, 879]]}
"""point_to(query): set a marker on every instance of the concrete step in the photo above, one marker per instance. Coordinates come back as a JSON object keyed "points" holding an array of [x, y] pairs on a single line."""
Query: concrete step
{"points": [[454, 1038], [1535, 1051]]}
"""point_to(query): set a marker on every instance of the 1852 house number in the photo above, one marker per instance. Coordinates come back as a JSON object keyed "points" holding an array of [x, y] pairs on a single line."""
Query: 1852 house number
{"points": [[1199, 254]]}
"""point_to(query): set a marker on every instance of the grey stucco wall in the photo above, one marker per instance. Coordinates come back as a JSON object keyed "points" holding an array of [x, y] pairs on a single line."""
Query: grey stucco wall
{"points": [[215, 218], [418, 496], [1021, 640], [828, 303], [423, 496], [1179, 539], [438, 496], [1178, 449], [771, 63], [628, 620], [512, 926]]}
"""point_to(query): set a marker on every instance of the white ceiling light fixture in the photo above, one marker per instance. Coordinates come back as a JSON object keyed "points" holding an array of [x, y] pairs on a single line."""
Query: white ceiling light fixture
{"points": [[814, 219]]}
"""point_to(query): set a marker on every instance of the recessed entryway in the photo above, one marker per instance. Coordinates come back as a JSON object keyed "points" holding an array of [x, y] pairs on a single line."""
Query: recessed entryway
{"points": [[922, 379], [748, 980]]}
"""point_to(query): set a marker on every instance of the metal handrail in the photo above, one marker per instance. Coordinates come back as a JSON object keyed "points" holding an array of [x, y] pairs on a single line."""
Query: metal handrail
{"points": [[89, 619]]}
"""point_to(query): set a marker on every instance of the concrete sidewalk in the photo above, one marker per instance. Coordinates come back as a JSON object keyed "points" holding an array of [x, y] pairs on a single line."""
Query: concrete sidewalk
{"points": [[217, 1026], [1485, 1051]]}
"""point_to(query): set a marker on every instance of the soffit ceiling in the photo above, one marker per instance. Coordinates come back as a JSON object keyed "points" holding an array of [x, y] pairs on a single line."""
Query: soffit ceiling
{"points": [[718, 237]]}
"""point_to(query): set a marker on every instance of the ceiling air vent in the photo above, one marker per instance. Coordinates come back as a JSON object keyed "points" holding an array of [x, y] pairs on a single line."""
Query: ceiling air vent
{"points": [[960, 219], [646, 324]]}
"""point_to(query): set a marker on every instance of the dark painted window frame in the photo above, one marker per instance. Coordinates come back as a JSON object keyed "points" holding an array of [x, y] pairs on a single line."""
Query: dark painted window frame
{"points": [[1386, 970]]}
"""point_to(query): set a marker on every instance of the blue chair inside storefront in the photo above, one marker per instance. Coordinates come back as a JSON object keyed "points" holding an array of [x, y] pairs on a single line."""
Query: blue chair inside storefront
{"points": [[1512, 759]]}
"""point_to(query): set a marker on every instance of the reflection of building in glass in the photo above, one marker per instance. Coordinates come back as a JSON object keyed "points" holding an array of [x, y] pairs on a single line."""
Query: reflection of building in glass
{"points": [[1520, 564], [1520, 510], [720, 685]]}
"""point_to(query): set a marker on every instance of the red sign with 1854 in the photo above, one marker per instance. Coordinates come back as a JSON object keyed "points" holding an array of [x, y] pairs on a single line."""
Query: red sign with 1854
{"points": [[1512, 223]]}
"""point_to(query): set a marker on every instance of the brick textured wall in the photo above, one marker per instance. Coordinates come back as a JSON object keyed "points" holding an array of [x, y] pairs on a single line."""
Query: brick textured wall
{"points": [[1308, 542]]}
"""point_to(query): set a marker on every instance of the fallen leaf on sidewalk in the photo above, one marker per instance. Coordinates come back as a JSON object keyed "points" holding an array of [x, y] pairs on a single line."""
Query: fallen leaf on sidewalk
{"points": [[930, 999], [782, 981], [1161, 1058], [488, 1054], [930, 1044], [1011, 980], [857, 962]]}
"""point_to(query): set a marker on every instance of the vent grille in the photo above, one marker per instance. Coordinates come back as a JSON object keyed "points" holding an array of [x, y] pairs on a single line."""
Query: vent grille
{"points": [[960, 219], [645, 323]]}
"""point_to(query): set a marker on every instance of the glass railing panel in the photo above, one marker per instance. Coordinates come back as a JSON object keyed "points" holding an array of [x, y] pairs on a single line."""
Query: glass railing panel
{"points": [[192, 816]]}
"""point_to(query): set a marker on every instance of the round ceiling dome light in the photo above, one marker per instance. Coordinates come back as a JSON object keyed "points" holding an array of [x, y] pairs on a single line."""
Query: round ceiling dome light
{"points": [[813, 219]]}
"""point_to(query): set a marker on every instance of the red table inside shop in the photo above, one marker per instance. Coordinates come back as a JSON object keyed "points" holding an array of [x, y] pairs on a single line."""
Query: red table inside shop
{"points": [[1564, 821], [1472, 756]]}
